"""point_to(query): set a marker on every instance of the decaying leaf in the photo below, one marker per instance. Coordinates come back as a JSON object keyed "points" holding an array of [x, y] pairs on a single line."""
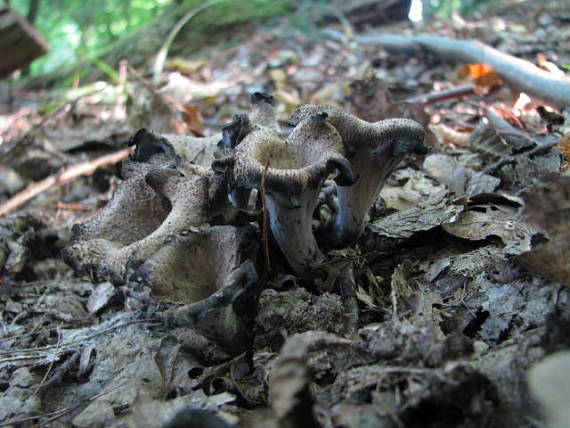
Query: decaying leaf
{"points": [[547, 209], [564, 147], [487, 141], [410, 189], [482, 220], [481, 74], [424, 216], [460, 179], [101, 296]]}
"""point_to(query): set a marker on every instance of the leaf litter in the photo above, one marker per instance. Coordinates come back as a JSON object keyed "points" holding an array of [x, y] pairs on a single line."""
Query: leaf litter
{"points": [[459, 276]]}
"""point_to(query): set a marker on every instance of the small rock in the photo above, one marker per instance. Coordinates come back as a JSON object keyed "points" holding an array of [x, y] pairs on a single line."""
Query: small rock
{"points": [[101, 297]]}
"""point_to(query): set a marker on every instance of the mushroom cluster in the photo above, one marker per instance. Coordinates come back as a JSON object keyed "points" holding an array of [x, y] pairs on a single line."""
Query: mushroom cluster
{"points": [[190, 230]]}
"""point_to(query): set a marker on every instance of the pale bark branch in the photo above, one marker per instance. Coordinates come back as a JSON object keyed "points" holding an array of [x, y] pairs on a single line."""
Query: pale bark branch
{"points": [[519, 73]]}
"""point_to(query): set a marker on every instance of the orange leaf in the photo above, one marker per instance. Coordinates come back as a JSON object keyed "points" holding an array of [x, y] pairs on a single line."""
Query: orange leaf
{"points": [[480, 74], [193, 119]]}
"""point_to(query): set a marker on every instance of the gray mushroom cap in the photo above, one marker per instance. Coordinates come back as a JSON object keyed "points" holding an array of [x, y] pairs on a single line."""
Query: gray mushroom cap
{"points": [[208, 269], [199, 151], [313, 151], [263, 110], [294, 172], [374, 150], [162, 192]]}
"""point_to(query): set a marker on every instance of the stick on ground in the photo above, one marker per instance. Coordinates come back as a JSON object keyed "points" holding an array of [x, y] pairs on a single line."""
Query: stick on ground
{"points": [[66, 175], [519, 73]]}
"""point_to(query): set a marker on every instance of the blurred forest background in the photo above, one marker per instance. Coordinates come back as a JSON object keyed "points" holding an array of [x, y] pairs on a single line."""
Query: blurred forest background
{"points": [[78, 30]]}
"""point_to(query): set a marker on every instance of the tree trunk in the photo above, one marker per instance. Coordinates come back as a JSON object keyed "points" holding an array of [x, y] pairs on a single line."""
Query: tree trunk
{"points": [[20, 43], [32, 15]]}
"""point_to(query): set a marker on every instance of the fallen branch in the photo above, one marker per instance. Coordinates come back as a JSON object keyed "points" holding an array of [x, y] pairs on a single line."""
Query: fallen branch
{"points": [[519, 73], [452, 93], [64, 176], [8, 148]]}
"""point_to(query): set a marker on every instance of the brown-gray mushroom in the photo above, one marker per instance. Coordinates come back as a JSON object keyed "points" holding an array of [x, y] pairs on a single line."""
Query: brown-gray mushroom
{"points": [[162, 194], [187, 192], [208, 269], [293, 172], [263, 115], [196, 150], [263, 111], [374, 150]]}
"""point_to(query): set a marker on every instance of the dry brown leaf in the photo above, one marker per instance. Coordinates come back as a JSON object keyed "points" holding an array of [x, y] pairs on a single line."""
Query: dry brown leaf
{"points": [[481, 74], [193, 119], [547, 209], [482, 221], [186, 66], [447, 134], [564, 147], [487, 141]]}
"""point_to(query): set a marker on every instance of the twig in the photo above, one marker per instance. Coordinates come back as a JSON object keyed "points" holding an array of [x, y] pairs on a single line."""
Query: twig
{"points": [[49, 367], [62, 206], [64, 176], [60, 371], [434, 97], [265, 216], [519, 73], [539, 150], [9, 148]]}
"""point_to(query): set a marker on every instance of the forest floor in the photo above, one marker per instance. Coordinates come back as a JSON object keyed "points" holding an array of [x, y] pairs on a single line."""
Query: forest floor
{"points": [[459, 276]]}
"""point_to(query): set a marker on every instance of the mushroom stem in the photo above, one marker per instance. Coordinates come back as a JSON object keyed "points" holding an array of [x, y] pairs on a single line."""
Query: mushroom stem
{"points": [[373, 150], [354, 202], [297, 171], [215, 317], [292, 229]]}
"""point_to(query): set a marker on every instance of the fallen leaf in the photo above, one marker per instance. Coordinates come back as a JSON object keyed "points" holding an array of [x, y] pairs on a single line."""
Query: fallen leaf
{"points": [[483, 221], [547, 209], [481, 74], [186, 66]]}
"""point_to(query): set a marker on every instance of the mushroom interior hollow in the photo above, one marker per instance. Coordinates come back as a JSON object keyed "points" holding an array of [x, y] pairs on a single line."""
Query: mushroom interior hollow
{"points": [[193, 267], [277, 153]]}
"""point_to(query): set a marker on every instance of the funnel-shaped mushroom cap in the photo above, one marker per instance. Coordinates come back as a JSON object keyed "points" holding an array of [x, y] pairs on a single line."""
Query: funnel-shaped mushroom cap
{"points": [[204, 268], [393, 136], [235, 131], [312, 151], [263, 111], [196, 262], [374, 150], [294, 173], [184, 186], [134, 211], [199, 151]]}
